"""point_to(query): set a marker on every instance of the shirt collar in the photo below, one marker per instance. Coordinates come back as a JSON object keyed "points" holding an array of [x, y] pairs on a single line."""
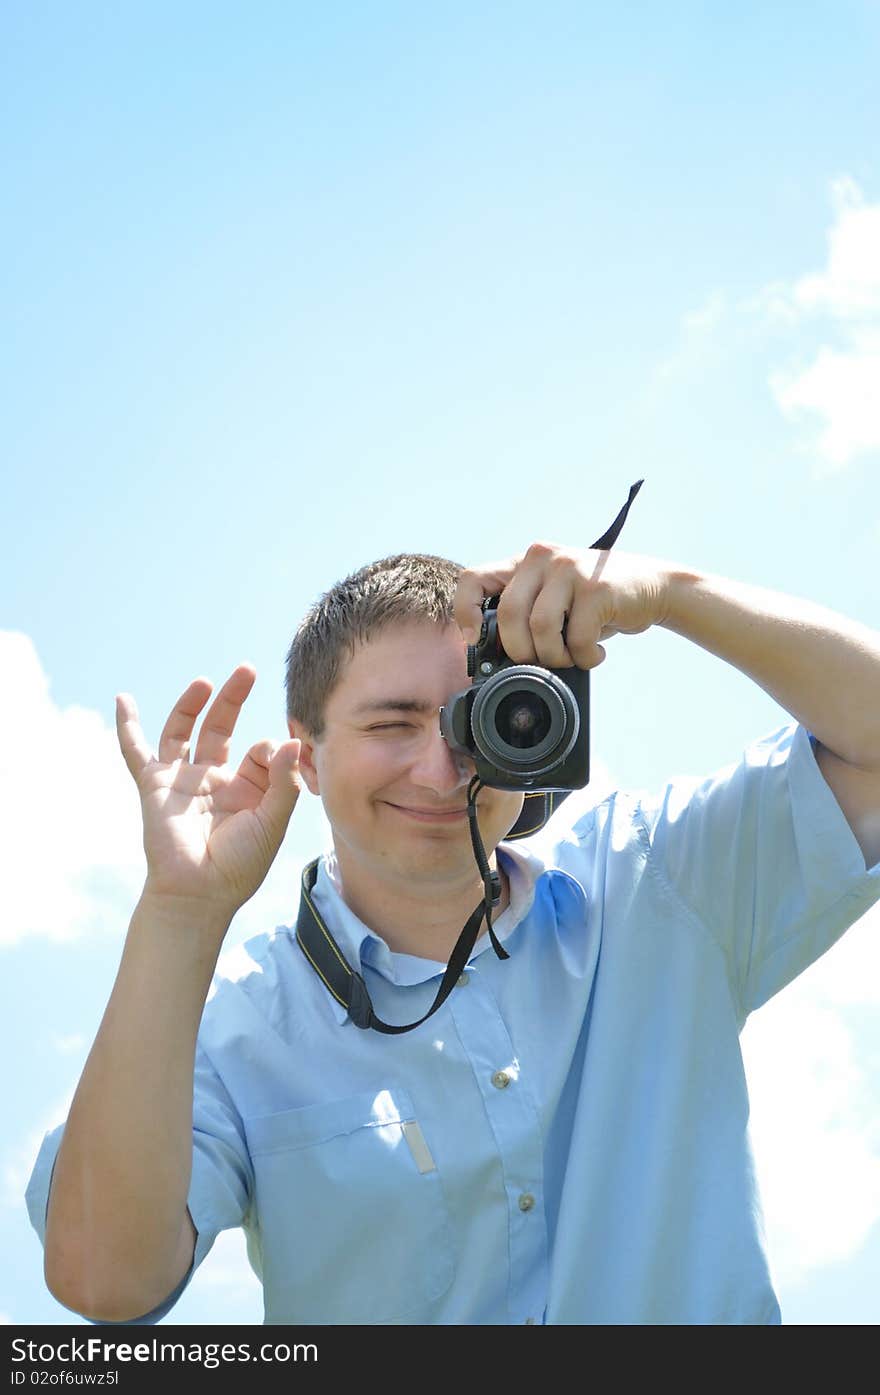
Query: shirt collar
{"points": [[362, 946]]}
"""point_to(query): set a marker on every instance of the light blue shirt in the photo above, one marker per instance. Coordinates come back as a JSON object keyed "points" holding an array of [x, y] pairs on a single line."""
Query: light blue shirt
{"points": [[566, 1139]]}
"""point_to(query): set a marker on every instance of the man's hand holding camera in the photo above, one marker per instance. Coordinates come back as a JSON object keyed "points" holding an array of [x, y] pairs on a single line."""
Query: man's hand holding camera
{"points": [[821, 667], [589, 594]]}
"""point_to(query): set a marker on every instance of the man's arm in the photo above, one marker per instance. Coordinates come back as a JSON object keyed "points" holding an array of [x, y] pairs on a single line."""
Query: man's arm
{"points": [[820, 666], [119, 1237]]}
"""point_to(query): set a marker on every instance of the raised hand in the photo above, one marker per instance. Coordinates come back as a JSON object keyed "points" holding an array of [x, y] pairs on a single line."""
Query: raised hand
{"points": [[210, 832]]}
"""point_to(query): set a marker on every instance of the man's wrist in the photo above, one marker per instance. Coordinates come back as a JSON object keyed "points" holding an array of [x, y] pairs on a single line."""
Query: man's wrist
{"points": [[177, 914], [680, 586]]}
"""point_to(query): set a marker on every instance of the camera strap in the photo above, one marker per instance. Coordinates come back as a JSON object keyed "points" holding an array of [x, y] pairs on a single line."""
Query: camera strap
{"points": [[347, 986], [325, 955]]}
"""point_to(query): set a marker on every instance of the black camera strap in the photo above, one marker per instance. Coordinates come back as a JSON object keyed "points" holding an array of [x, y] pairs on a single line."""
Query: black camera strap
{"points": [[325, 955], [609, 538], [347, 986]]}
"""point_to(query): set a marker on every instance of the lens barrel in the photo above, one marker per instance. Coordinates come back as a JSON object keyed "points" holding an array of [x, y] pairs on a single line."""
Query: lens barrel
{"points": [[524, 720]]}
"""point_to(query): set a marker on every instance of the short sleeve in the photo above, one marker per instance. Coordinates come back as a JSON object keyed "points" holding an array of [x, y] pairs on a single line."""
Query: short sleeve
{"points": [[222, 1180], [221, 1185], [763, 856]]}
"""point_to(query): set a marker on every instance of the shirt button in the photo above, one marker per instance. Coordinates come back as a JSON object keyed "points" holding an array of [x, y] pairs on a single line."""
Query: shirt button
{"points": [[501, 1080], [462, 980], [526, 1201]]}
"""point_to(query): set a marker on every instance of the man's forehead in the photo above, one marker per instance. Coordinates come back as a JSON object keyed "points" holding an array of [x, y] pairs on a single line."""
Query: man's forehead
{"points": [[412, 667], [400, 637]]}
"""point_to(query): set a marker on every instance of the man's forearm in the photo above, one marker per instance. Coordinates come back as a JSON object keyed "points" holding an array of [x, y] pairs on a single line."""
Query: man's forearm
{"points": [[118, 1236], [820, 666]]}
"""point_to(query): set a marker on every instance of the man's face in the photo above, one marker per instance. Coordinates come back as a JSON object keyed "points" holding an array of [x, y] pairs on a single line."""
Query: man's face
{"points": [[394, 793]]}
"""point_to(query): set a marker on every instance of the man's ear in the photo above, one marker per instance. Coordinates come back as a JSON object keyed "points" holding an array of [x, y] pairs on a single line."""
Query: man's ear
{"points": [[307, 767]]}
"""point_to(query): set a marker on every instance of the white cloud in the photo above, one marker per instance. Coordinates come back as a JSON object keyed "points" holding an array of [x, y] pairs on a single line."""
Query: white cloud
{"points": [[840, 384], [843, 388], [700, 334], [849, 287], [70, 817], [815, 1113], [709, 314], [829, 320]]}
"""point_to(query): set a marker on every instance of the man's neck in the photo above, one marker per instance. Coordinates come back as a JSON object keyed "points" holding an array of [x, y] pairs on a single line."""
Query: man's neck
{"points": [[425, 920]]}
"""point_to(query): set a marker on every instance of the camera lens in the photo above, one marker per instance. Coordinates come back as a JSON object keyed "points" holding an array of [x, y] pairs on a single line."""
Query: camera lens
{"points": [[522, 720]]}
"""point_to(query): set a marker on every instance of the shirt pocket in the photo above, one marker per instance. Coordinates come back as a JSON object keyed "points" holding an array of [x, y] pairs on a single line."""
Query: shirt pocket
{"points": [[354, 1226]]}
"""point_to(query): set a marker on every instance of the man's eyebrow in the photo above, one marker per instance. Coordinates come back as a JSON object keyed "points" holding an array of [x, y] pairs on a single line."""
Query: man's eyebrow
{"points": [[390, 704]]}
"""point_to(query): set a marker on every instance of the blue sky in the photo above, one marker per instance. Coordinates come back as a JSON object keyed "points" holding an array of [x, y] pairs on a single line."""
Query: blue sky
{"points": [[290, 287]]}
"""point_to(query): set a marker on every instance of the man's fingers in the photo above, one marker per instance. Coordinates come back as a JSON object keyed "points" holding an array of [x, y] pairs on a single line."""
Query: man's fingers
{"points": [[548, 613], [132, 743], [255, 766], [176, 733], [474, 585], [583, 632], [212, 747], [536, 576], [266, 788], [547, 620]]}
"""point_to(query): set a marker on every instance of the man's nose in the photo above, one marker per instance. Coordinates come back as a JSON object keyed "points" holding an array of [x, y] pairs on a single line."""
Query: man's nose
{"points": [[439, 768]]}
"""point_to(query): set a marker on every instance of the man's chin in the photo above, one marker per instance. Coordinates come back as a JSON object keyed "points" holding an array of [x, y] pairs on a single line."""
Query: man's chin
{"points": [[441, 862]]}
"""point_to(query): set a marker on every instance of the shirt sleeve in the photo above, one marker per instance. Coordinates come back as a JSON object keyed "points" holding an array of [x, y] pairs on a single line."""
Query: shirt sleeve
{"points": [[221, 1186], [763, 856]]}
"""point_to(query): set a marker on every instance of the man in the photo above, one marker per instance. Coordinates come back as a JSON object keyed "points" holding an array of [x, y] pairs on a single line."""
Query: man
{"points": [[565, 1139]]}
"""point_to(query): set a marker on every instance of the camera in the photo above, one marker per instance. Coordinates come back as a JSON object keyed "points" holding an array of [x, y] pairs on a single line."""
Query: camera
{"points": [[525, 727]]}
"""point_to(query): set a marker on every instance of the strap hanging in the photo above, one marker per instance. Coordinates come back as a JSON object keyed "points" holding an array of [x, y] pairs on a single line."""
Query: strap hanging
{"points": [[346, 986], [608, 539]]}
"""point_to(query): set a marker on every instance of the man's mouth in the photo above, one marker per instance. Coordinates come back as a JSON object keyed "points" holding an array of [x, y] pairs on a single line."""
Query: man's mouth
{"points": [[430, 815]]}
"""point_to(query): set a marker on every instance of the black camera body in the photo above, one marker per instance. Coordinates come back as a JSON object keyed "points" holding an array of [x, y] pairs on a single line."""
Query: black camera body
{"points": [[524, 727]]}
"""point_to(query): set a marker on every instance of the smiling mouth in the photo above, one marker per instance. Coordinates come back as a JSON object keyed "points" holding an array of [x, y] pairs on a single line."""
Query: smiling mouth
{"points": [[430, 815]]}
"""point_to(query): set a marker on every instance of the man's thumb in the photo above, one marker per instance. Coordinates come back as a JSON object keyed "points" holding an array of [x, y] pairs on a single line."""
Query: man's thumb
{"points": [[285, 784]]}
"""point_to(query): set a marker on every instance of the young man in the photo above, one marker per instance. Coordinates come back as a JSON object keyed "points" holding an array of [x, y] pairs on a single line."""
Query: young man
{"points": [[565, 1139]]}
